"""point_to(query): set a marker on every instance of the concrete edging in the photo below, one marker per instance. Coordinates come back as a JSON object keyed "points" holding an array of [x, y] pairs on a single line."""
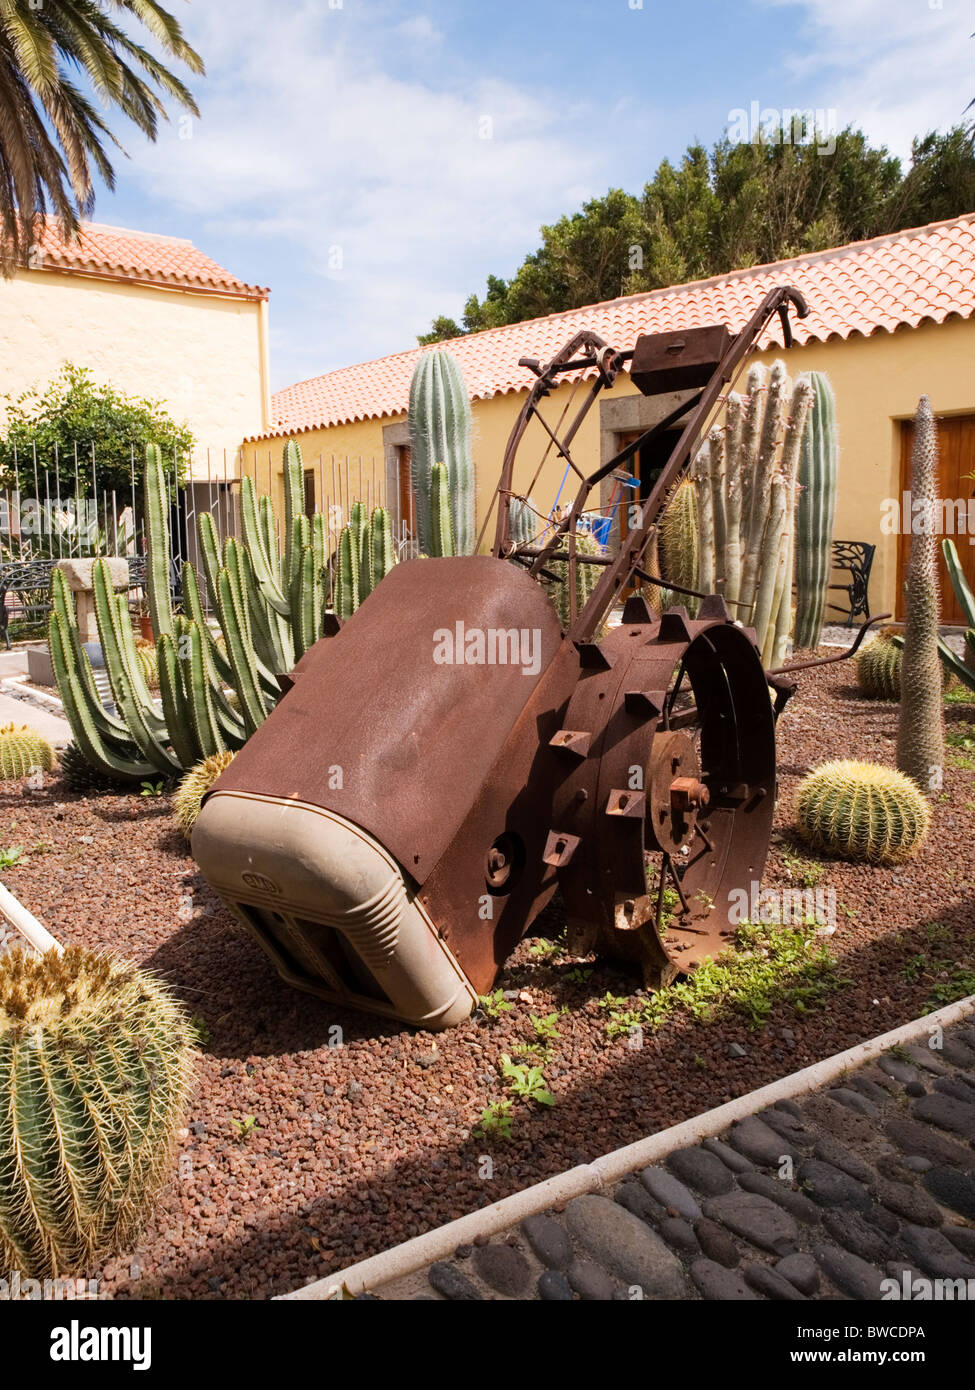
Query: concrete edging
{"points": [[441, 1243]]}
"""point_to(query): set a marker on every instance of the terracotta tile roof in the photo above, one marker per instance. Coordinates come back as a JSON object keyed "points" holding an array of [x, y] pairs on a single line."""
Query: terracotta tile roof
{"points": [[143, 257], [887, 283]]}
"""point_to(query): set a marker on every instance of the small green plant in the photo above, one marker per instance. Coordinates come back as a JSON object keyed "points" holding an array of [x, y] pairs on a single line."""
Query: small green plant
{"points": [[546, 1029], [578, 975], [900, 1052], [766, 965], [494, 1005], [959, 984], [9, 857], [152, 789], [42, 847], [201, 1030], [245, 1127], [496, 1121], [544, 950], [526, 1081], [806, 871]]}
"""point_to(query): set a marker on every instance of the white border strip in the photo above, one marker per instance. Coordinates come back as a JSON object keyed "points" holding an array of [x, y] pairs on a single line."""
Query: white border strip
{"points": [[441, 1243], [16, 688]]}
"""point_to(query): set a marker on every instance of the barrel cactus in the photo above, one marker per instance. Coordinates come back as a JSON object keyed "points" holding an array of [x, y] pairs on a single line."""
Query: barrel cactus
{"points": [[862, 811], [194, 786], [79, 775], [878, 667], [22, 751], [95, 1072]]}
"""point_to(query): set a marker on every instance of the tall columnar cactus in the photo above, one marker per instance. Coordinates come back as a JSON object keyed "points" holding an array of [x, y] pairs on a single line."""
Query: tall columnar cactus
{"points": [[441, 525], [587, 577], [920, 731], [440, 432], [22, 751], [818, 474], [862, 811], [746, 481], [95, 1073], [366, 554], [680, 538], [522, 521]]}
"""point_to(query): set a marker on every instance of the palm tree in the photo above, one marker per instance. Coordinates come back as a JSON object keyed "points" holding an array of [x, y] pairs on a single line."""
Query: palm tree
{"points": [[50, 132]]}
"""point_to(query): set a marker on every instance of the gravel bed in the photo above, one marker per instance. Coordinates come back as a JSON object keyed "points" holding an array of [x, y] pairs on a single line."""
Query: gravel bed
{"points": [[869, 1179], [364, 1126]]}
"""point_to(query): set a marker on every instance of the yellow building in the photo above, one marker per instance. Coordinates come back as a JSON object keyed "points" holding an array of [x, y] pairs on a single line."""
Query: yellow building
{"points": [[889, 320], [152, 316]]}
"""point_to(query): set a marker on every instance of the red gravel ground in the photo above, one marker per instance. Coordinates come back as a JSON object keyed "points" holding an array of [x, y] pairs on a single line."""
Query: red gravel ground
{"points": [[364, 1135]]}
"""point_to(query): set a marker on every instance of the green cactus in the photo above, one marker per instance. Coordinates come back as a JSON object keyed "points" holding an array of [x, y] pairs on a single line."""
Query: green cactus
{"points": [[587, 577], [194, 786], [95, 1074], [80, 776], [680, 539], [441, 532], [440, 432], [347, 575], [862, 811], [963, 667], [522, 521], [878, 667], [22, 751], [920, 730], [818, 476]]}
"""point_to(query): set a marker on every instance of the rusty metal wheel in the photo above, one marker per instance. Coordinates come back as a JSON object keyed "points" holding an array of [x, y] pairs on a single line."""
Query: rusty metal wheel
{"points": [[666, 806]]}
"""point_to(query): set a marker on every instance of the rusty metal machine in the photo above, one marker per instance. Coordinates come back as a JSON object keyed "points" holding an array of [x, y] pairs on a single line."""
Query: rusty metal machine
{"points": [[449, 756]]}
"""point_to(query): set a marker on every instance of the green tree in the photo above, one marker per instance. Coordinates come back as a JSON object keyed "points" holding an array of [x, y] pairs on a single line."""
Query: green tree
{"points": [[51, 133], [72, 418], [741, 203]]}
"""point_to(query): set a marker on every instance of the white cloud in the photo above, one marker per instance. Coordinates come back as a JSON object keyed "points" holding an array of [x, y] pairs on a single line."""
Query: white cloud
{"points": [[896, 68], [320, 131]]}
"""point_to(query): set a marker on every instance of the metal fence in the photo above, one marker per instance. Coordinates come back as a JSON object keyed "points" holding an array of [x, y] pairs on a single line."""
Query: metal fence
{"points": [[71, 504]]}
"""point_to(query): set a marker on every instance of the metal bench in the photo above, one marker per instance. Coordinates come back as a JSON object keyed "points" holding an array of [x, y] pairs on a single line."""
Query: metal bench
{"points": [[29, 581], [856, 558]]}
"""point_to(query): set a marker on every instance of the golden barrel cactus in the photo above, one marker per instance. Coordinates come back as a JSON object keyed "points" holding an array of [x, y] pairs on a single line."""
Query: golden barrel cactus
{"points": [[194, 786], [95, 1071], [862, 811], [22, 751]]}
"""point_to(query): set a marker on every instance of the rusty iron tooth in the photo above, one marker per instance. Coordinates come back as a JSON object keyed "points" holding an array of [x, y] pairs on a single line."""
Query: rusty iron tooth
{"points": [[592, 657], [559, 848], [623, 802], [572, 741], [647, 703]]}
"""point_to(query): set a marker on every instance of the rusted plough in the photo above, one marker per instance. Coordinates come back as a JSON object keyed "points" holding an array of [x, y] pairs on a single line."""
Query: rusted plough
{"points": [[450, 756]]}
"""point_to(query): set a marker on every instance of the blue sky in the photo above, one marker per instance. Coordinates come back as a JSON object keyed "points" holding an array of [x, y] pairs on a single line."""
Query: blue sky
{"points": [[372, 161]]}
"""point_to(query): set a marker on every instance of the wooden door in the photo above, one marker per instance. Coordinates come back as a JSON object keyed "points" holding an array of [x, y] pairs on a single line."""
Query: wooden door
{"points": [[956, 479], [407, 504], [646, 466]]}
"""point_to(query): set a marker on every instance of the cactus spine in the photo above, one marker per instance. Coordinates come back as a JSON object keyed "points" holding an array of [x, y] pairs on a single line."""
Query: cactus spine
{"points": [[95, 1072], [22, 751], [818, 474], [862, 811], [441, 532], [440, 432], [920, 731]]}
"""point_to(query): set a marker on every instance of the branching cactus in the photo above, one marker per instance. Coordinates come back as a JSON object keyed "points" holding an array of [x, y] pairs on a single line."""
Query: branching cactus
{"points": [[587, 576], [920, 731], [95, 1074], [440, 432]]}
